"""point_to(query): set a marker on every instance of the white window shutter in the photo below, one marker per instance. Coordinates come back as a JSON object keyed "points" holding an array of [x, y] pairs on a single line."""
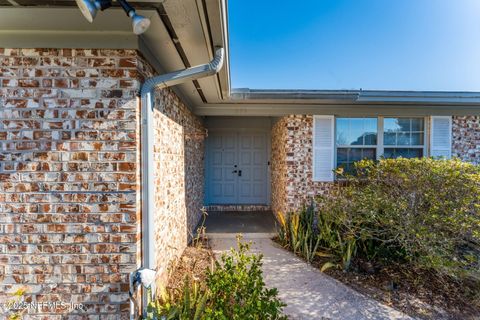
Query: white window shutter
{"points": [[323, 148], [441, 137]]}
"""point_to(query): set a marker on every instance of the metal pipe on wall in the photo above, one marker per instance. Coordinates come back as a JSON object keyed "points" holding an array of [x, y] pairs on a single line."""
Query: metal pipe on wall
{"points": [[147, 106]]}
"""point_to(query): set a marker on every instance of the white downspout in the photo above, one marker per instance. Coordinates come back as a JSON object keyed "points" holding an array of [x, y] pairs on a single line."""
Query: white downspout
{"points": [[148, 104]]}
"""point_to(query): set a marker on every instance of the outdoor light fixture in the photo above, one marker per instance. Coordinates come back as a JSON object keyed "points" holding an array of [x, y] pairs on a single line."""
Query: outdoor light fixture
{"points": [[89, 9], [140, 24]]}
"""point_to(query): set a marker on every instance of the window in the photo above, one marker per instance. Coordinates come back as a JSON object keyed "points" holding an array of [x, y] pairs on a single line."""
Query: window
{"points": [[340, 141], [372, 138], [403, 137], [356, 139]]}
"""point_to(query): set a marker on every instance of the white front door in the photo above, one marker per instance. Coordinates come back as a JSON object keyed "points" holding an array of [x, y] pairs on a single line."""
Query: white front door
{"points": [[237, 167]]}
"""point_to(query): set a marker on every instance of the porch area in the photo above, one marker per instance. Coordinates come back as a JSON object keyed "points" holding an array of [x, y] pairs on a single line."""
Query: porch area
{"points": [[251, 224]]}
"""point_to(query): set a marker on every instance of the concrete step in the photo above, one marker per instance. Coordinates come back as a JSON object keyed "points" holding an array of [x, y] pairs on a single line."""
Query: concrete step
{"points": [[245, 236]]}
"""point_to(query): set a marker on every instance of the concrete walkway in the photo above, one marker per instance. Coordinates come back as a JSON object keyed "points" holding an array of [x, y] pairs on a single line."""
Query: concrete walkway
{"points": [[308, 293]]}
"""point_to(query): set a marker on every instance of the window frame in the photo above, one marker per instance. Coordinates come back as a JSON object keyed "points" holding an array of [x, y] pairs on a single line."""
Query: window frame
{"points": [[355, 146], [380, 146]]}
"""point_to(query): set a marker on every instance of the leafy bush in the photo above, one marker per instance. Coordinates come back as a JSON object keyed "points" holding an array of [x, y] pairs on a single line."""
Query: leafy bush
{"points": [[237, 288], [424, 211], [234, 289]]}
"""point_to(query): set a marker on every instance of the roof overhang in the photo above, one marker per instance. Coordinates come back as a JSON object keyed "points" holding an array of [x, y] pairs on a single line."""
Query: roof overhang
{"points": [[345, 102], [185, 33], [182, 34]]}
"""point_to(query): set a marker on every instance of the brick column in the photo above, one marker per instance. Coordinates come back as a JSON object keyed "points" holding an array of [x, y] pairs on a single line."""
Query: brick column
{"points": [[292, 172], [70, 177], [466, 138], [69, 210]]}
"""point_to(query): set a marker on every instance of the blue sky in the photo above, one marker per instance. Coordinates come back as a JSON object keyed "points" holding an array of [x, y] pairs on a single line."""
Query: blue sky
{"points": [[353, 44]]}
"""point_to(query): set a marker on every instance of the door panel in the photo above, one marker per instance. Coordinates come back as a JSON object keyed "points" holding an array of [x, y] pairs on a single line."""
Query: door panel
{"points": [[253, 155], [223, 154], [237, 168]]}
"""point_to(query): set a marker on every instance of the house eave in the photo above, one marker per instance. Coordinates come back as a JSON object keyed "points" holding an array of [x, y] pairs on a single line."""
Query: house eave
{"points": [[182, 34], [345, 109], [355, 97], [185, 33]]}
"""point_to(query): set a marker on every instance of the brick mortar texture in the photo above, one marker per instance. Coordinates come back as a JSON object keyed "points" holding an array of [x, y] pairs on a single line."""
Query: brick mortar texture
{"points": [[466, 138], [70, 177], [178, 179], [279, 166], [292, 176]]}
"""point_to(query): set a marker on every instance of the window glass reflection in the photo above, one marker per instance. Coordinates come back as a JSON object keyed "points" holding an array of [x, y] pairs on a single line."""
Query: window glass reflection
{"points": [[356, 131]]}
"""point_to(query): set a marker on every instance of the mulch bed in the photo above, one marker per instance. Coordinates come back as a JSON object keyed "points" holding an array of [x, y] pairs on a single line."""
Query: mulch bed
{"points": [[418, 293], [193, 264]]}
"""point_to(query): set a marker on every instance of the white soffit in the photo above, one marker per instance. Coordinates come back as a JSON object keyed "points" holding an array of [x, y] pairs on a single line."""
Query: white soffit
{"points": [[49, 27], [194, 23]]}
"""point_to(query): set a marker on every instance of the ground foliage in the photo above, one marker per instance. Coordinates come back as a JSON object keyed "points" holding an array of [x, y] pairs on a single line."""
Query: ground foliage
{"points": [[232, 288], [420, 217]]}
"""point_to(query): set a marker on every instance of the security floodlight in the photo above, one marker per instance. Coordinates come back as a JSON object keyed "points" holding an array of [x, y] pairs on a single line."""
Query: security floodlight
{"points": [[89, 8], [140, 23]]}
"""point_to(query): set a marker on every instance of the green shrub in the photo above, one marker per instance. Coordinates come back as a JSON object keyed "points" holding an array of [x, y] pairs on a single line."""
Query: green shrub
{"points": [[189, 305], [297, 233], [424, 211], [234, 289], [238, 289]]}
